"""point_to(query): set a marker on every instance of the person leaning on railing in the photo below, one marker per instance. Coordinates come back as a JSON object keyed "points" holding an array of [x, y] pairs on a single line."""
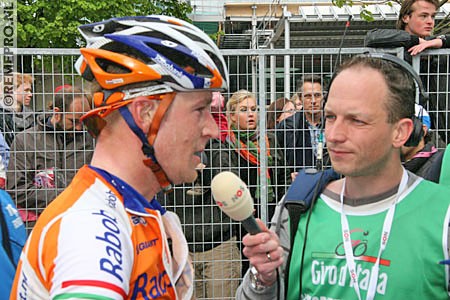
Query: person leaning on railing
{"points": [[414, 32]]}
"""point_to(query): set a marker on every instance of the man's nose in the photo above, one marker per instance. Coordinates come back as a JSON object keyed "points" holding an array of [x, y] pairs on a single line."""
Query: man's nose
{"points": [[211, 129], [335, 131]]}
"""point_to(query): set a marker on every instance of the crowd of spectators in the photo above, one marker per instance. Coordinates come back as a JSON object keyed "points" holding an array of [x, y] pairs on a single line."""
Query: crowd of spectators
{"points": [[40, 152]]}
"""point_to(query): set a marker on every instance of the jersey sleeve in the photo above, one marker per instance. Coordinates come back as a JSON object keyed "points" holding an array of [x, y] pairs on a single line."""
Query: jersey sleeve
{"points": [[88, 254]]}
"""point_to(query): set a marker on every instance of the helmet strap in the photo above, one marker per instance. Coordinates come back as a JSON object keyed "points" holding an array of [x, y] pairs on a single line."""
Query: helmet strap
{"points": [[164, 104], [147, 141]]}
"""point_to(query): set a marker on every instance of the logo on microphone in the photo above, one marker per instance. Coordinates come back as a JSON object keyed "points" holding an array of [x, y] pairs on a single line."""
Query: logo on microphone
{"points": [[236, 197], [239, 194]]}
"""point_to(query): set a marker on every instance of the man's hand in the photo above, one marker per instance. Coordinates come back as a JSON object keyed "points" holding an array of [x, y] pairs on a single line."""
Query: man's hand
{"points": [[424, 44], [264, 252]]}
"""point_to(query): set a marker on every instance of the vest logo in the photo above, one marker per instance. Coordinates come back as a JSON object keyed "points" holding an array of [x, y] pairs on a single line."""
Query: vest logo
{"points": [[144, 245], [330, 274], [154, 287], [326, 271], [359, 242]]}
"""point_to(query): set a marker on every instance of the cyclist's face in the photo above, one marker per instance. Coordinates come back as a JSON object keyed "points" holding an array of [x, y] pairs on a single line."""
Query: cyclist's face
{"points": [[184, 132], [421, 21]]}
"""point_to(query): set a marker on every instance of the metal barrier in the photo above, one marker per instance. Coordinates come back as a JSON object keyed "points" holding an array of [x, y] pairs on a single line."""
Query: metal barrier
{"points": [[263, 72]]}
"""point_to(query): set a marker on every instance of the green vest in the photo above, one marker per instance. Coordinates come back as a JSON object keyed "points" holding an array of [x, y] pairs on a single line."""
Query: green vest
{"points": [[409, 267]]}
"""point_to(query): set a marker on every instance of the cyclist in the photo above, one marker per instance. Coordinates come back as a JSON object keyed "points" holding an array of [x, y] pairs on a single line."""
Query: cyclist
{"points": [[106, 236]]}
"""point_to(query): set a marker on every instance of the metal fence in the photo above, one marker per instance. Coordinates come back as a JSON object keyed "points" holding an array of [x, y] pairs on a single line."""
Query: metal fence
{"points": [[269, 74]]}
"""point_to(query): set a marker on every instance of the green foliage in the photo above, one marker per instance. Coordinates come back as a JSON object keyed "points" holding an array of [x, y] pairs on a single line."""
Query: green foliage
{"points": [[215, 36], [442, 26], [53, 24]]}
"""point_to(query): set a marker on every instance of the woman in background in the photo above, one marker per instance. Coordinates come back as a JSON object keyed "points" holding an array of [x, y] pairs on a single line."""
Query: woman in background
{"points": [[241, 154]]}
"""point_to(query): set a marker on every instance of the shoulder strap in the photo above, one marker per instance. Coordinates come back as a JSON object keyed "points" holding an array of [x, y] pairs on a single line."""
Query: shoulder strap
{"points": [[6, 242], [308, 185], [300, 194], [445, 168]]}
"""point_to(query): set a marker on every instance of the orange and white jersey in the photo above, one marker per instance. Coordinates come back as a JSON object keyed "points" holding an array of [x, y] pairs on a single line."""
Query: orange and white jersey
{"points": [[100, 239]]}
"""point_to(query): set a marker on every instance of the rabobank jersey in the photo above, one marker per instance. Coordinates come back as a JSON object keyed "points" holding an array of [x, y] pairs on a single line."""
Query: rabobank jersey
{"points": [[100, 239]]}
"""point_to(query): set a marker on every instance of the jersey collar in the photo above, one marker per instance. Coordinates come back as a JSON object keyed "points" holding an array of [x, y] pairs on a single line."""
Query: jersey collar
{"points": [[132, 199]]}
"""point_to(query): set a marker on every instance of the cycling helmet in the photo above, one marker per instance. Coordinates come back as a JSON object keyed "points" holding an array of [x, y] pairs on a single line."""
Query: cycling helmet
{"points": [[164, 54]]}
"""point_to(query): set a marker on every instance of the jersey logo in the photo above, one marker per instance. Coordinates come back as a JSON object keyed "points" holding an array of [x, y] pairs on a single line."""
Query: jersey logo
{"points": [[112, 261]]}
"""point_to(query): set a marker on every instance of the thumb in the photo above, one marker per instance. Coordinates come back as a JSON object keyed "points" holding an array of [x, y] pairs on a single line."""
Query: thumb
{"points": [[262, 225]]}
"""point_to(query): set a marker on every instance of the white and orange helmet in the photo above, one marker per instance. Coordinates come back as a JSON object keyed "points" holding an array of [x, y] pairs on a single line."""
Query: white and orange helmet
{"points": [[169, 54]]}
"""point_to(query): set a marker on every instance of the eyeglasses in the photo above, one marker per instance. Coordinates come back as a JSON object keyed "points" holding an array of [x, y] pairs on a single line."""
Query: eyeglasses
{"points": [[313, 95]]}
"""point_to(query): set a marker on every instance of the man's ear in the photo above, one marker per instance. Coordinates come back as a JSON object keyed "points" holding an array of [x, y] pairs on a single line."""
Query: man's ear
{"points": [[405, 19], [402, 132], [143, 111], [57, 114]]}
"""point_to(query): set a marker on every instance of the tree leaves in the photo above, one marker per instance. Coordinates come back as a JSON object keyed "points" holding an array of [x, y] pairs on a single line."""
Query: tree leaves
{"points": [[53, 24]]}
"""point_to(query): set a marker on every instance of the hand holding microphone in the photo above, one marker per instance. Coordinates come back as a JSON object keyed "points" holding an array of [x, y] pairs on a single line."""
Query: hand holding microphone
{"points": [[263, 250]]}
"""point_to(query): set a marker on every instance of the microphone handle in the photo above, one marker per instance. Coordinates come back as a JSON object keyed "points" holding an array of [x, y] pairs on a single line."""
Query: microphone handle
{"points": [[251, 226]]}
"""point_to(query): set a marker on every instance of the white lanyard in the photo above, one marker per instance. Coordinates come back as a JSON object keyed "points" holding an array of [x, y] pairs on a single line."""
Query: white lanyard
{"points": [[348, 248]]}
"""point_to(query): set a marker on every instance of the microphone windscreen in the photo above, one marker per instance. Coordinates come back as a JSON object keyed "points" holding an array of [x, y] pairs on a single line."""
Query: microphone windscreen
{"points": [[232, 196]]}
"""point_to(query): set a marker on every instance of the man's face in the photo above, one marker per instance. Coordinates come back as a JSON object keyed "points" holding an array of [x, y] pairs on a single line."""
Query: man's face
{"points": [[421, 21], [359, 138], [185, 131], [245, 115], [70, 120], [24, 94], [311, 97]]}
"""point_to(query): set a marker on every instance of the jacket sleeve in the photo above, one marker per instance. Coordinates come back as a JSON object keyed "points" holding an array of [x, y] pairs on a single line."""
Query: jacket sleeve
{"points": [[446, 41], [285, 133], [20, 176], [280, 225], [390, 38], [223, 158], [282, 170]]}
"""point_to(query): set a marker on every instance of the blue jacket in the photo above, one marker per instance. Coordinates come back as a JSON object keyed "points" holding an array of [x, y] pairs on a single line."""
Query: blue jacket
{"points": [[11, 220]]}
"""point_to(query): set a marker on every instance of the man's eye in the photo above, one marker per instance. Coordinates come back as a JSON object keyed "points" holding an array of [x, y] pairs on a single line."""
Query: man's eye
{"points": [[358, 121]]}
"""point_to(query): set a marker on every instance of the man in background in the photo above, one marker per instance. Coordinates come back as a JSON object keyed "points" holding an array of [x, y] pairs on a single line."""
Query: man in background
{"points": [[301, 134], [18, 116], [45, 158], [423, 159]]}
